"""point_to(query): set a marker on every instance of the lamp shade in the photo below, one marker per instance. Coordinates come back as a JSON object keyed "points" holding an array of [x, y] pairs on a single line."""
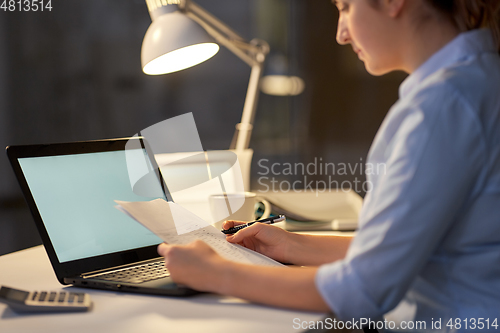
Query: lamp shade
{"points": [[174, 42]]}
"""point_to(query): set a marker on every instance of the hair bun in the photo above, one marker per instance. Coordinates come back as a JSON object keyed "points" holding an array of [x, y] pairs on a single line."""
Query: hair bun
{"points": [[472, 14]]}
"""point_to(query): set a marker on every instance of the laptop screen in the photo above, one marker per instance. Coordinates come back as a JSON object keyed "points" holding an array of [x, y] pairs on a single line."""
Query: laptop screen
{"points": [[75, 197]]}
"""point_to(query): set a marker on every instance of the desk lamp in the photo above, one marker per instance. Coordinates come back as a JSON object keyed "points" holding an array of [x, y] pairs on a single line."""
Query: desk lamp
{"points": [[181, 36]]}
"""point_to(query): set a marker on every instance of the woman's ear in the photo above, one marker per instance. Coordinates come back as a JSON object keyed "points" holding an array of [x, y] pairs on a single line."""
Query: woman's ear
{"points": [[394, 7]]}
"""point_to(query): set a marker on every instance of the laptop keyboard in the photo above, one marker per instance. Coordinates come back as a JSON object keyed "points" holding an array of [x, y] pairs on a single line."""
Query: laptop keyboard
{"points": [[137, 274]]}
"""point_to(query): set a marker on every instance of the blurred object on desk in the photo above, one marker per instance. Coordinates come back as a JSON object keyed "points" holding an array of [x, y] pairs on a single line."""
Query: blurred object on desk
{"points": [[314, 210], [334, 225]]}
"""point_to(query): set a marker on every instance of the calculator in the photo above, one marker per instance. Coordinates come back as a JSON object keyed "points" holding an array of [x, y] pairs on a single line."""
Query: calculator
{"points": [[44, 301]]}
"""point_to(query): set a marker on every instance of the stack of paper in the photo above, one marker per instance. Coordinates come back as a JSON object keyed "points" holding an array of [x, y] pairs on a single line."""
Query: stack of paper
{"points": [[176, 225]]}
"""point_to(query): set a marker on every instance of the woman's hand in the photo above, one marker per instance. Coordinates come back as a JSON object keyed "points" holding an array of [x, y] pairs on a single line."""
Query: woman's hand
{"points": [[195, 265], [269, 240], [199, 267], [288, 247]]}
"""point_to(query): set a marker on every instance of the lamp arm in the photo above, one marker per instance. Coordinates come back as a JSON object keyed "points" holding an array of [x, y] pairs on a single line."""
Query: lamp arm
{"points": [[191, 6], [241, 138], [250, 52], [223, 40], [253, 53]]}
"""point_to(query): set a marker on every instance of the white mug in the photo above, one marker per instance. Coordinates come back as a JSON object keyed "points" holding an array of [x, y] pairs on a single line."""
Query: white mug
{"points": [[236, 206]]}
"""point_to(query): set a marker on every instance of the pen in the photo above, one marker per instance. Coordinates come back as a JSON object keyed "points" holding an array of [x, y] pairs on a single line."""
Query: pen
{"points": [[270, 220]]}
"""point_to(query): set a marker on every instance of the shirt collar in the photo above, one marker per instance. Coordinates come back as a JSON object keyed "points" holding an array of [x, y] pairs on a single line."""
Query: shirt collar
{"points": [[466, 44]]}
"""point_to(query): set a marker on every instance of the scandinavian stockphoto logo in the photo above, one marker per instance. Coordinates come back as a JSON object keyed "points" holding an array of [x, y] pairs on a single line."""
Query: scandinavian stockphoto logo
{"points": [[191, 174], [271, 176]]}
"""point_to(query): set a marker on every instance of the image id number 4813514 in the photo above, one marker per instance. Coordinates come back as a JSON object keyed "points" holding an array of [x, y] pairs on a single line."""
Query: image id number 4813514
{"points": [[26, 5]]}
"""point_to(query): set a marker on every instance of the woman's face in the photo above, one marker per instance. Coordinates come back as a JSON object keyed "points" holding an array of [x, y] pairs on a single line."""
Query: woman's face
{"points": [[371, 32]]}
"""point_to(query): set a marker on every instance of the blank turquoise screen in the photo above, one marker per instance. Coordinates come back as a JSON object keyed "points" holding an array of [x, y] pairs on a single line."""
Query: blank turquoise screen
{"points": [[75, 197]]}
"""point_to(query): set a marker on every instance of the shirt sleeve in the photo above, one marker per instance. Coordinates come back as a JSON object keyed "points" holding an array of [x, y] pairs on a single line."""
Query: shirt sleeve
{"points": [[433, 149]]}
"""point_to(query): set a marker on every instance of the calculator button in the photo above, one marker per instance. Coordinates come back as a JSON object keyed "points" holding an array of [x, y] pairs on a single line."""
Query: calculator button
{"points": [[43, 294], [34, 295], [71, 297], [80, 298], [61, 298], [52, 296]]}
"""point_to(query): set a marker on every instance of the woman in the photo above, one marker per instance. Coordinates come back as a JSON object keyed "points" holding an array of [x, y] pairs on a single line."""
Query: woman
{"points": [[429, 231]]}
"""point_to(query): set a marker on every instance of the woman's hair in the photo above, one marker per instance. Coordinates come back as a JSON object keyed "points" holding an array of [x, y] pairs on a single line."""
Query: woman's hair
{"points": [[472, 14]]}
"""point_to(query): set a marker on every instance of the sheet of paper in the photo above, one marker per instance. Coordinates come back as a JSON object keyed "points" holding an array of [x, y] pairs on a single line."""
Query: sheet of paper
{"points": [[176, 225]]}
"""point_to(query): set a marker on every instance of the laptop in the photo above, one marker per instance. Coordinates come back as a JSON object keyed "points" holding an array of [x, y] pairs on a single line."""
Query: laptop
{"points": [[70, 189]]}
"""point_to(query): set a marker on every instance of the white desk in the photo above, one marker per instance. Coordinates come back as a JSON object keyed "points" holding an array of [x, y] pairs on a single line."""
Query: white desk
{"points": [[122, 312]]}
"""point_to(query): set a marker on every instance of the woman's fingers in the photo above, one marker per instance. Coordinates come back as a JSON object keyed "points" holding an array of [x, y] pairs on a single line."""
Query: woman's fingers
{"points": [[244, 233], [163, 249], [230, 224]]}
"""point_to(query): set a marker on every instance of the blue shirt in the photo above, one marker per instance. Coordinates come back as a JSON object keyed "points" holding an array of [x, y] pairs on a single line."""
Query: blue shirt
{"points": [[428, 244]]}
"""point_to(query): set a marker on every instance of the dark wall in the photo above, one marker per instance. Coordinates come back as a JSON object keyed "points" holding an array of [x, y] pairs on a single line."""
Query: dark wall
{"points": [[74, 74], [347, 105]]}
